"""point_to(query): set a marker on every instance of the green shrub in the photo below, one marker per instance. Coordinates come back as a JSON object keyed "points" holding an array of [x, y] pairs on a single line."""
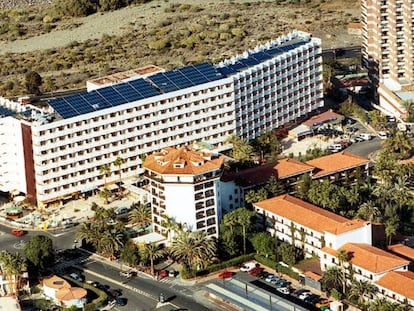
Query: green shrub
{"points": [[158, 44], [278, 267]]}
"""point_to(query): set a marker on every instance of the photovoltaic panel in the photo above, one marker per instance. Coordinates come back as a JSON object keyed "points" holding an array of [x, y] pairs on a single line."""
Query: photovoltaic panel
{"points": [[111, 96], [63, 108], [208, 71], [144, 88], [4, 112], [179, 79], [78, 103], [96, 101], [128, 92], [163, 83]]}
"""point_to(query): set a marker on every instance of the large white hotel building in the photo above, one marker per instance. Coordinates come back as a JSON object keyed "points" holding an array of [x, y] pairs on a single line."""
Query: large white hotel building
{"points": [[57, 153]]}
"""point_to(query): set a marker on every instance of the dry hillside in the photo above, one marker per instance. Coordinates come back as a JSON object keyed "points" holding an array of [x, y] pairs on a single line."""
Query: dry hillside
{"points": [[168, 34]]}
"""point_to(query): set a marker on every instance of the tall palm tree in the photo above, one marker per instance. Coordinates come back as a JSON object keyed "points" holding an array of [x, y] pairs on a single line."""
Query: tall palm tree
{"points": [[118, 163], [153, 252], [170, 225], [343, 258], [229, 221], [12, 265], [391, 226], [245, 220], [361, 289], [408, 105], [399, 143], [140, 215], [241, 150], [105, 170]]}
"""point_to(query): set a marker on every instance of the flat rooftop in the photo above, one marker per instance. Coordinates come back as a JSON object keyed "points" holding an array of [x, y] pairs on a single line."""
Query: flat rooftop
{"points": [[120, 76]]}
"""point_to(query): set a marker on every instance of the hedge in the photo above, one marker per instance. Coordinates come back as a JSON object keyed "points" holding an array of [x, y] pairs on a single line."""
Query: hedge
{"points": [[219, 266], [278, 267]]}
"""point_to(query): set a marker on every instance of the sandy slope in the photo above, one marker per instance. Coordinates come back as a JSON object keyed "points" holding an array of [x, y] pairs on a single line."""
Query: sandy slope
{"points": [[115, 23]]}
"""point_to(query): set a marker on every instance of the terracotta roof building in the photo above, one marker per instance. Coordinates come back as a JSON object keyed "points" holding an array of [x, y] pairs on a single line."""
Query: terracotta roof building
{"points": [[368, 262], [338, 165], [314, 227], [184, 185], [405, 252], [397, 286], [63, 293]]}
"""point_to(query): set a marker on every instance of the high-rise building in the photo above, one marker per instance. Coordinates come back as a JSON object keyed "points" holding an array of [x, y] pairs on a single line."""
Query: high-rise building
{"points": [[66, 145], [387, 51]]}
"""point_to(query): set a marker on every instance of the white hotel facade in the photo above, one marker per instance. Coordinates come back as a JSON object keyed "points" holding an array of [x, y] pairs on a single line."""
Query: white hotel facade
{"points": [[60, 150]]}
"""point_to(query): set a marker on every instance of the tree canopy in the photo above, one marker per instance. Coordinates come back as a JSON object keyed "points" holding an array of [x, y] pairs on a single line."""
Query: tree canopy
{"points": [[39, 253]]}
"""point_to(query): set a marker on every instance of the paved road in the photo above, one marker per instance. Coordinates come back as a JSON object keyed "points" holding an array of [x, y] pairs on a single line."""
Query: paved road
{"points": [[348, 52], [366, 148], [181, 296]]}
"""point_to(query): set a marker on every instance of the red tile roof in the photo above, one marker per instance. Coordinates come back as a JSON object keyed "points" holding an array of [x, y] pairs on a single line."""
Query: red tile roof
{"points": [[400, 282], [402, 250], [67, 294], [182, 161], [369, 257], [336, 162], [313, 275], [284, 168], [309, 215], [322, 118], [56, 282]]}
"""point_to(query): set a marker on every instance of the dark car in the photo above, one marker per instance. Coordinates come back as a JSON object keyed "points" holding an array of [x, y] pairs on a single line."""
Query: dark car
{"points": [[312, 299], [114, 293], [263, 275], [299, 292], [120, 301]]}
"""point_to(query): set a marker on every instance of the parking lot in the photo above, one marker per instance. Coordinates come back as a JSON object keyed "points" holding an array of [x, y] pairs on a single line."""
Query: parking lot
{"points": [[258, 288]]}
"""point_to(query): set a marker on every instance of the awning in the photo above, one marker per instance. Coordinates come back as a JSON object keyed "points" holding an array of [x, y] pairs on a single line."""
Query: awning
{"points": [[19, 199], [14, 210], [112, 187]]}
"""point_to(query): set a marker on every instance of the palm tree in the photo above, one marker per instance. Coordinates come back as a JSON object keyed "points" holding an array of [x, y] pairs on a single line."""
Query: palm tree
{"points": [[229, 221], [140, 215], [369, 211], [118, 163], [408, 105], [343, 257], [332, 278], [105, 170], [193, 249], [91, 232], [391, 226], [245, 220], [153, 252], [399, 143], [12, 265], [241, 150], [360, 290], [105, 194], [169, 225]]}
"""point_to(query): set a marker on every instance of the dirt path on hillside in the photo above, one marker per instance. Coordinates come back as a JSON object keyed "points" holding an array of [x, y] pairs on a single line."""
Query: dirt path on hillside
{"points": [[117, 23]]}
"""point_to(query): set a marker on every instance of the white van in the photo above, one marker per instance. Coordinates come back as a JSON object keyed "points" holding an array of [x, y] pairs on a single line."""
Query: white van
{"points": [[366, 136], [383, 135], [336, 147]]}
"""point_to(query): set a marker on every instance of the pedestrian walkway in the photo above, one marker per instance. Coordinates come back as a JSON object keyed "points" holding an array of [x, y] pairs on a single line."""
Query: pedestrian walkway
{"points": [[249, 297]]}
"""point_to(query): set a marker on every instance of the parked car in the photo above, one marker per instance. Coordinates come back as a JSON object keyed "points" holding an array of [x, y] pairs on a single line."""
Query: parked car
{"points": [[225, 274], [263, 275], [122, 210], [312, 299], [304, 295], [77, 277], [163, 273], [283, 290], [255, 271], [366, 136], [300, 291], [120, 301], [248, 266], [383, 135], [357, 139], [171, 273], [336, 147], [283, 283], [18, 232], [271, 277]]}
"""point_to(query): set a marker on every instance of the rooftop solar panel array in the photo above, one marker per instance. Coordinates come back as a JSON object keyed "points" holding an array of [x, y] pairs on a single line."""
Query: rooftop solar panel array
{"points": [[257, 58], [185, 77], [111, 96], [4, 112]]}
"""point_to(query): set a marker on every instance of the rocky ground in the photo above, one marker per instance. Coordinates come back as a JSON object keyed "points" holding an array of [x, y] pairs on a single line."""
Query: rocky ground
{"points": [[9, 4]]}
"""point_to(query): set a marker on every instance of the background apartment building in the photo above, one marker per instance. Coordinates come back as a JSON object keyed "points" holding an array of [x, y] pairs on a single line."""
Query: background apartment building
{"points": [[387, 51], [269, 87]]}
